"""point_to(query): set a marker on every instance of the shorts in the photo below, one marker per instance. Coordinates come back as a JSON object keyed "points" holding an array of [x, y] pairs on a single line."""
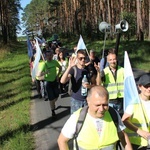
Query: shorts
{"points": [[52, 90]]}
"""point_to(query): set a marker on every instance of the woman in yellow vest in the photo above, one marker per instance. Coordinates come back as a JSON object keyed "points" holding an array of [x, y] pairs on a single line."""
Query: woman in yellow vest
{"points": [[137, 116], [98, 131]]}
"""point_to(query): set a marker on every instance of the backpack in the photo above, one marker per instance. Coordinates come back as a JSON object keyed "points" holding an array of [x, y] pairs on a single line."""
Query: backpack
{"points": [[70, 83], [81, 119]]}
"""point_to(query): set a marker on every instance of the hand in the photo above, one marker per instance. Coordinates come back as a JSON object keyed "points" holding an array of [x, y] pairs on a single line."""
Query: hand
{"points": [[72, 61], [86, 85], [97, 67], [143, 133], [47, 71]]}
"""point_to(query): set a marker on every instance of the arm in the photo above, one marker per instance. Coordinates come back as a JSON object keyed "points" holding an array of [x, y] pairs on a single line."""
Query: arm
{"points": [[63, 142], [41, 71], [66, 134], [124, 140], [134, 128], [59, 72], [66, 76], [98, 77], [88, 63]]}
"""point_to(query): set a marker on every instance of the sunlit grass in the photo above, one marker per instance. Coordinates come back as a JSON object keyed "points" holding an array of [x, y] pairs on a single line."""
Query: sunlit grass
{"points": [[15, 85]]}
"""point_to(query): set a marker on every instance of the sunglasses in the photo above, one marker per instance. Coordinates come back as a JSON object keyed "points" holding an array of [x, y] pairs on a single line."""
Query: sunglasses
{"points": [[80, 58]]}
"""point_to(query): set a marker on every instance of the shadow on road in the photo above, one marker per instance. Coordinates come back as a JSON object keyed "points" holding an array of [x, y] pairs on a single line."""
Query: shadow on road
{"points": [[41, 124]]}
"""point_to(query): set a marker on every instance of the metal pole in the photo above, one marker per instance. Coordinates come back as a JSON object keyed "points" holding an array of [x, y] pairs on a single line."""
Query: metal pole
{"points": [[117, 43]]}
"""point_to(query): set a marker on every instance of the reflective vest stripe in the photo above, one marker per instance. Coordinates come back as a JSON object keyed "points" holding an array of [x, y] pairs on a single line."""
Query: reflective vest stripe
{"points": [[114, 92], [115, 88], [138, 120], [113, 84], [110, 147]]}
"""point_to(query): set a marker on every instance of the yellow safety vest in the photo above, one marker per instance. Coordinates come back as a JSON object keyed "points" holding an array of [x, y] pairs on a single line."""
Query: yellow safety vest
{"points": [[39, 67], [89, 139], [115, 88], [138, 120]]}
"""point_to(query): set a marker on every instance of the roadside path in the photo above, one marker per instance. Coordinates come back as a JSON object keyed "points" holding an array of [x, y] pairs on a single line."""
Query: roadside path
{"points": [[46, 129]]}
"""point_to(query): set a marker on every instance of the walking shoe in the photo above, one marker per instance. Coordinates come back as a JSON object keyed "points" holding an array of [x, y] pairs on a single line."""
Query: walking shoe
{"points": [[53, 114], [46, 99], [40, 96]]}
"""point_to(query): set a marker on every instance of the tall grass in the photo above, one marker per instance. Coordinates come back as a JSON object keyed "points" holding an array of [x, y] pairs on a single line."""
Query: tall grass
{"points": [[15, 85]]}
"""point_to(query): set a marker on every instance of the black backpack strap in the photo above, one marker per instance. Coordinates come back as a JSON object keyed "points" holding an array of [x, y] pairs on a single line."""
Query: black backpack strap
{"points": [[114, 117], [79, 124]]}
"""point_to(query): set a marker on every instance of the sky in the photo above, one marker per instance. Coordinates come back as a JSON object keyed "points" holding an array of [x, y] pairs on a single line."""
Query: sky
{"points": [[23, 5]]}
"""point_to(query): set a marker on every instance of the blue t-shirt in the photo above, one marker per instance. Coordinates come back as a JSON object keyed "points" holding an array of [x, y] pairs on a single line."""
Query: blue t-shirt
{"points": [[77, 82]]}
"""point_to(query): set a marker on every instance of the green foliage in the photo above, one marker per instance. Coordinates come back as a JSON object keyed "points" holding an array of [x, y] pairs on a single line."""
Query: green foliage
{"points": [[131, 19], [138, 51]]}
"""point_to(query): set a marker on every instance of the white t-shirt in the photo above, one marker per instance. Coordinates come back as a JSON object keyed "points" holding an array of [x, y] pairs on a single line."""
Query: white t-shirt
{"points": [[69, 128], [55, 57], [146, 104], [64, 65]]}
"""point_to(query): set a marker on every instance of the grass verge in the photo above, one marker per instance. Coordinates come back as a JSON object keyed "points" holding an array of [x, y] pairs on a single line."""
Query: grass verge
{"points": [[15, 95]]}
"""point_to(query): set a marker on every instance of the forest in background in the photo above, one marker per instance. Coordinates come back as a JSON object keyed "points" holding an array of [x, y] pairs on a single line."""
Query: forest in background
{"points": [[70, 18]]}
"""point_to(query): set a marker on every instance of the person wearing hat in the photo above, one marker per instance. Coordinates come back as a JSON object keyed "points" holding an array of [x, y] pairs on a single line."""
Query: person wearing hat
{"points": [[137, 116]]}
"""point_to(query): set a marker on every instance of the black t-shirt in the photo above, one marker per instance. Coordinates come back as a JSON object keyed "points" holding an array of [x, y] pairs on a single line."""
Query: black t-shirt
{"points": [[91, 66], [77, 82]]}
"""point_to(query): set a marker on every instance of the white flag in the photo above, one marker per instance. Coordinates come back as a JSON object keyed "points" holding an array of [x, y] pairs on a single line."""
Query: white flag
{"points": [[130, 90], [37, 59], [81, 44]]}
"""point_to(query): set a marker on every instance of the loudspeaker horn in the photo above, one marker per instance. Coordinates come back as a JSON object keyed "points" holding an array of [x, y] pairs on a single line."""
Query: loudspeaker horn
{"points": [[123, 25], [104, 27]]}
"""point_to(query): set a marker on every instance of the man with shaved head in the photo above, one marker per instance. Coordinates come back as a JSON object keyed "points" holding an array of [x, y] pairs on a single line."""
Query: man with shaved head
{"points": [[98, 131]]}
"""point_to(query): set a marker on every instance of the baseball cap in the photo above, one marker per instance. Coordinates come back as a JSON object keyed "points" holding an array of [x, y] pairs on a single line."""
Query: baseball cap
{"points": [[144, 79]]}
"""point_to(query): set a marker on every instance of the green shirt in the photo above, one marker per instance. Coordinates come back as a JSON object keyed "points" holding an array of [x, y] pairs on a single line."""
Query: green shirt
{"points": [[52, 67]]}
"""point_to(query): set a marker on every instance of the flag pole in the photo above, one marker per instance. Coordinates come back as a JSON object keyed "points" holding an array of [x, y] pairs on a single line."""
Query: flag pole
{"points": [[43, 57], [131, 95], [87, 53]]}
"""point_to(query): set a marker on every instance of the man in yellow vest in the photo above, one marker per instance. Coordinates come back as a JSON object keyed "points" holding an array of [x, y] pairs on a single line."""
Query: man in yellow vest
{"points": [[112, 78], [137, 116], [98, 131]]}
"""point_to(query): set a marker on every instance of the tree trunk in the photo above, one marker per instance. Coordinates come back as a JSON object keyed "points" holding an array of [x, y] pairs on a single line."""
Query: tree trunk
{"points": [[149, 22], [140, 35]]}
